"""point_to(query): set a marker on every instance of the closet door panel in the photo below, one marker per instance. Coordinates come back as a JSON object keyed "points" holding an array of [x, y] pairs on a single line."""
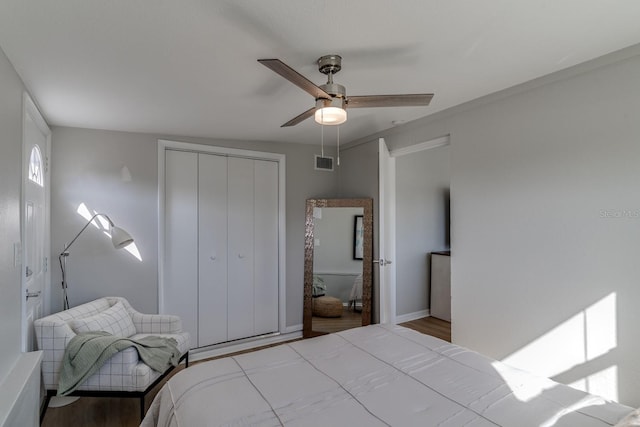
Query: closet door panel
{"points": [[181, 238], [266, 246], [212, 248], [240, 313]]}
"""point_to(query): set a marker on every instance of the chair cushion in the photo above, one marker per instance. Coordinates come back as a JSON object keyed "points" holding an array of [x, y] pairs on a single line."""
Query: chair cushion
{"points": [[114, 320]]}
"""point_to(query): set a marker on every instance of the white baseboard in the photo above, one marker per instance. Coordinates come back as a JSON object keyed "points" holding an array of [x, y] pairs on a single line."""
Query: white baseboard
{"points": [[294, 328], [412, 316], [228, 348]]}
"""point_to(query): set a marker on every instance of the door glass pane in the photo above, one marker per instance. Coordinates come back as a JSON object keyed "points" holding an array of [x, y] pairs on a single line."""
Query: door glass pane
{"points": [[35, 167]]}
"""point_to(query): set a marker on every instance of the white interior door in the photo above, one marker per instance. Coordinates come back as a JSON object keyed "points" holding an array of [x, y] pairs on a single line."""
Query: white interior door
{"points": [[35, 221], [212, 252], [387, 239]]}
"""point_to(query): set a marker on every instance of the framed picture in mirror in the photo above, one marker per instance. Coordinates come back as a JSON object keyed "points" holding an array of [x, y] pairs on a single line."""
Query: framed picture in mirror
{"points": [[358, 237]]}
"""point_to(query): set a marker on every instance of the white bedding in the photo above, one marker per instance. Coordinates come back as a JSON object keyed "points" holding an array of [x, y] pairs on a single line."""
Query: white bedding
{"points": [[377, 375]]}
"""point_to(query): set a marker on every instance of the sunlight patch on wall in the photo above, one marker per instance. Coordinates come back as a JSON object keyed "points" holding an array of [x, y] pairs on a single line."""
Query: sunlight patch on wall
{"points": [[602, 334], [133, 250], [603, 383], [589, 334], [101, 223]]}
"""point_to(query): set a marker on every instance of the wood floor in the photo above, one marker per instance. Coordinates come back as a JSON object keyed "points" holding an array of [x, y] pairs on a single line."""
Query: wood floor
{"points": [[348, 320], [120, 412], [431, 326]]}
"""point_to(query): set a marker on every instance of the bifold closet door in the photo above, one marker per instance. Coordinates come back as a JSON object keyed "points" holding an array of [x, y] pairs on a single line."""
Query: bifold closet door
{"points": [[181, 238], [253, 247], [266, 247], [241, 254], [221, 266], [212, 249]]}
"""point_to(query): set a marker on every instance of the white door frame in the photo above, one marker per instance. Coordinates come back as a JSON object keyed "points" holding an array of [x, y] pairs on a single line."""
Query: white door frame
{"points": [[387, 229], [163, 146], [30, 111], [387, 203]]}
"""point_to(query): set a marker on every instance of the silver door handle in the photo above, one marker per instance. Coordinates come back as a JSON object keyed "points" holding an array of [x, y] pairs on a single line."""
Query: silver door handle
{"points": [[382, 262], [32, 294]]}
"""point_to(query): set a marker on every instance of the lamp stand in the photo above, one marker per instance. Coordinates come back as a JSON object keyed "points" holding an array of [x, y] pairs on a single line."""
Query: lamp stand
{"points": [[63, 267]]}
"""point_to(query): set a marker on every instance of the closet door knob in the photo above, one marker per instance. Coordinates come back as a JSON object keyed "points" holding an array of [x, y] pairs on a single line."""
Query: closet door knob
{"points": [[212, 257], [240, 256]]}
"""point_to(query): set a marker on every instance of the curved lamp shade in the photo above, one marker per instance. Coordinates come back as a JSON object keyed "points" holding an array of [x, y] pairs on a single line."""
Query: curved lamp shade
{"points": [[120, 238]]}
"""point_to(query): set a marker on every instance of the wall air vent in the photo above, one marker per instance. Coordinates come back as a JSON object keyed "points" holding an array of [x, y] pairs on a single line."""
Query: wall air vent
{"points": [[323, 163]]}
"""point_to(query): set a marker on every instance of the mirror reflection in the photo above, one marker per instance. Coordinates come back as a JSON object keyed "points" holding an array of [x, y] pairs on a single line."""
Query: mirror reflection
{"points": [[337, 265]]}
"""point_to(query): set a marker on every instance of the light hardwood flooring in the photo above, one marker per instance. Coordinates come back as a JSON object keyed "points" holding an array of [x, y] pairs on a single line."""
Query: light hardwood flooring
{"points": [[121, 412], [431, 326], [348, 320]]}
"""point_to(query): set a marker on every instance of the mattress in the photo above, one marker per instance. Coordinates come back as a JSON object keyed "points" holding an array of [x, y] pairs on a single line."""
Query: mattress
{"points": [[378, 375]]}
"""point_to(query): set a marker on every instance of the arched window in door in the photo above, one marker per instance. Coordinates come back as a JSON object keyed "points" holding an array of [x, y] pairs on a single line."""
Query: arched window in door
{"points": [[35, 166]]}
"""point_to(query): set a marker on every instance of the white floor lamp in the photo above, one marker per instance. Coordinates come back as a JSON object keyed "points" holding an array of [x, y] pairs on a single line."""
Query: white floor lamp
{"points": [[119, 238]]}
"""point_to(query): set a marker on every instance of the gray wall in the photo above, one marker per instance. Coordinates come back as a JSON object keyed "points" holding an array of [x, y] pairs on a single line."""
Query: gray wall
{"points": [[422, 195], [359, 179], [87, 167], [545, 223], [11, 90]]}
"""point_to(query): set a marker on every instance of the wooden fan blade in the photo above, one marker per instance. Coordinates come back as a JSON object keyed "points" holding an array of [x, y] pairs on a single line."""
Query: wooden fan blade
{"points": [[410, 100], [300, 117], [294, 77]]}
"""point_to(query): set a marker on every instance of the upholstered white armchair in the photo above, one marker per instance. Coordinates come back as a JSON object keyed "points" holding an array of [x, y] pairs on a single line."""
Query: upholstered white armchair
{"points": [[124, 374]]}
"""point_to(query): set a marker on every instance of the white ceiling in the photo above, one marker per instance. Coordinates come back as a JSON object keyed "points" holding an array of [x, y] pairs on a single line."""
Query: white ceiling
{"points": [[187, 67]]}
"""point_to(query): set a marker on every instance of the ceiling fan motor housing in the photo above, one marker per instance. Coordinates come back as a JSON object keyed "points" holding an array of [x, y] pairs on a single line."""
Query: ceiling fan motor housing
{"points": [[334, 89], [337, 102]]}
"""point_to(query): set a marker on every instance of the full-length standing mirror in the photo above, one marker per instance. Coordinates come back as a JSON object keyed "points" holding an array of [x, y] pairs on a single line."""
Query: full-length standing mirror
{"points": [[337, 265]]}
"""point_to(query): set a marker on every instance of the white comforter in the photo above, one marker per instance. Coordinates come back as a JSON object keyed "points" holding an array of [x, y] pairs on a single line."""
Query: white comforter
{"points": [[377, 375]]}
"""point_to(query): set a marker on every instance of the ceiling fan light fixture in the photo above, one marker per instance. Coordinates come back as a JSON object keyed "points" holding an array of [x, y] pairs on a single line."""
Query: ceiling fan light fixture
{"points": [[331, 116], [330, 111]]}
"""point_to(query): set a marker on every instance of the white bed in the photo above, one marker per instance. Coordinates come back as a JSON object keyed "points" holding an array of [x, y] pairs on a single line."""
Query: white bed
{"points": [[376, 375]]}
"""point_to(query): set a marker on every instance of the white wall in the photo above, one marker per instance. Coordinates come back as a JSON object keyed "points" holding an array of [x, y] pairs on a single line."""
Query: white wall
{"points": [[88, 169], [533, 174], [11, 90], [422, 221], [545, 206]]}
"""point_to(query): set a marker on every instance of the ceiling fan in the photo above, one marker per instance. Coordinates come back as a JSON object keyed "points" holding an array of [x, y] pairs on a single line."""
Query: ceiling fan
{"points": [[331, 98]]}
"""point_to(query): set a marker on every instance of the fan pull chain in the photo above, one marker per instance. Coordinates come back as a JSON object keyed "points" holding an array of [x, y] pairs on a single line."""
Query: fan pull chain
{"points": [[338, 151], [322, 140]]}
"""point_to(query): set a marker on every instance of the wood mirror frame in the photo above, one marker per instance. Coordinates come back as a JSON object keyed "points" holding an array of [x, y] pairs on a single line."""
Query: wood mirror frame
{"points": [[367, 258]]}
